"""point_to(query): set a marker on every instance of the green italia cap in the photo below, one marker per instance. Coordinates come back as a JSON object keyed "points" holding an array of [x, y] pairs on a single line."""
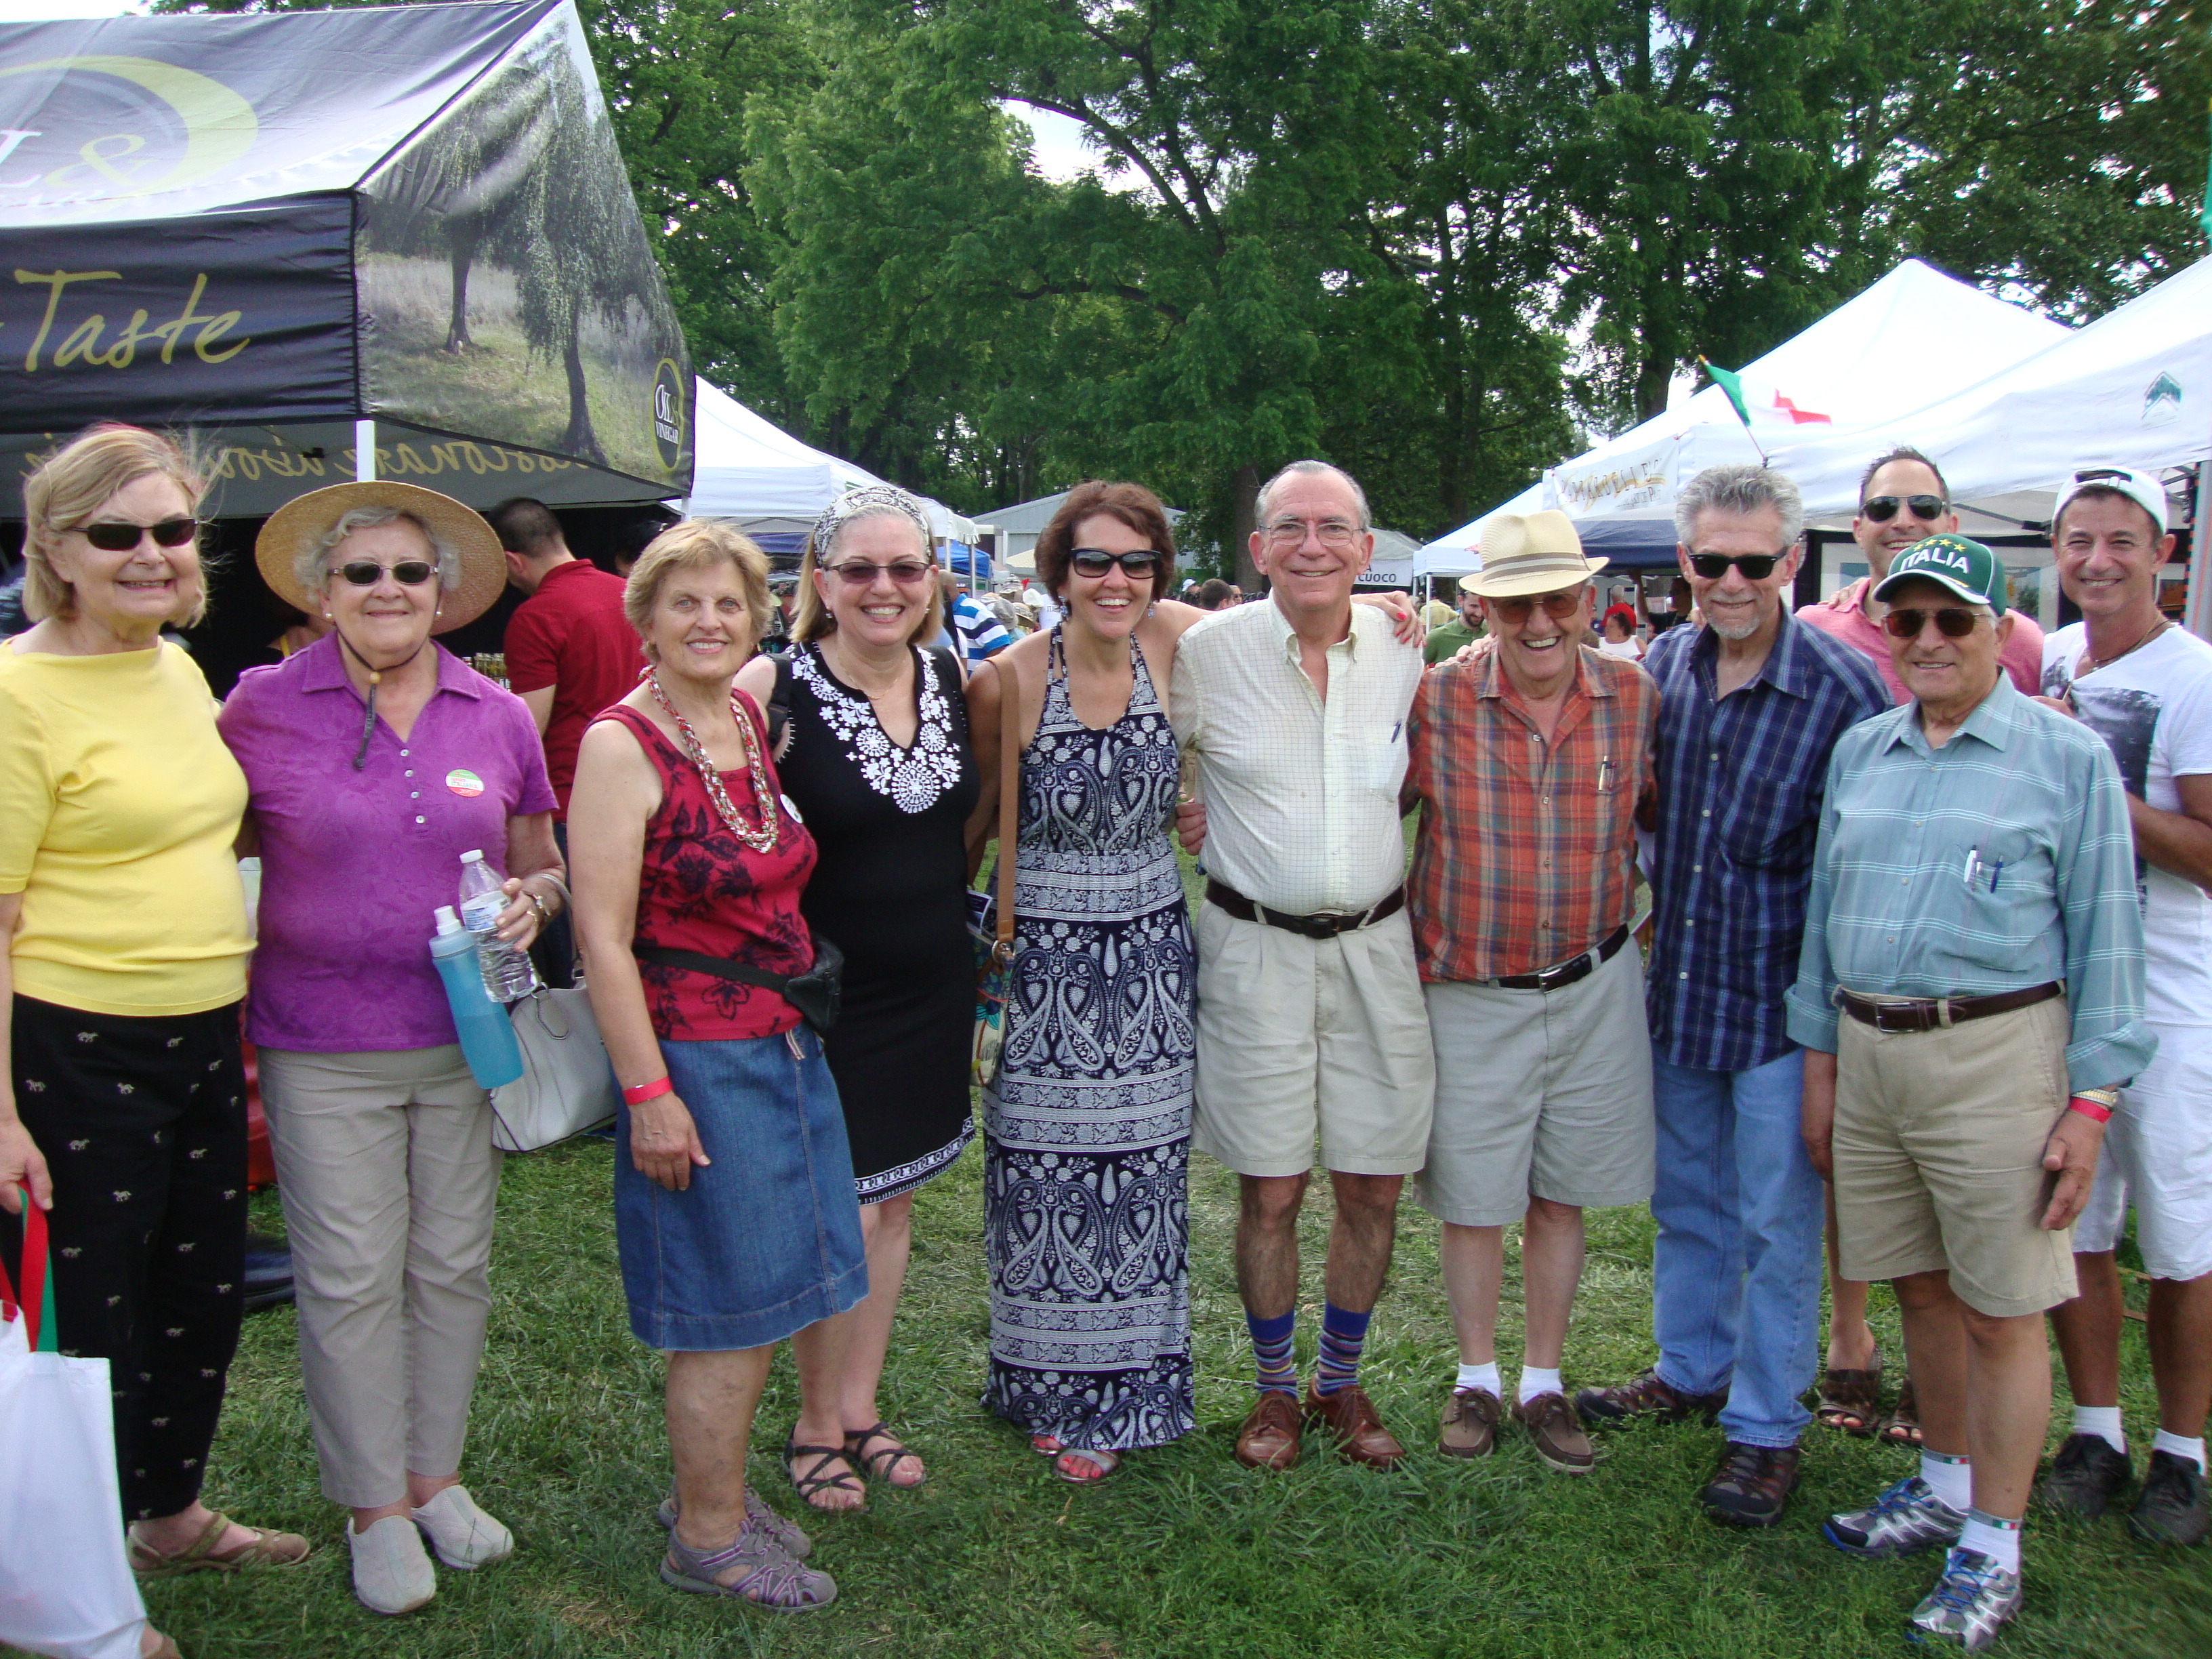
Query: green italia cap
{"points": [[1963, 565]]}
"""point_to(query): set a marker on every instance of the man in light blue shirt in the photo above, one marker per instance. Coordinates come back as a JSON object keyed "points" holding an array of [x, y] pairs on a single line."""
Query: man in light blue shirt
{"points": [[1973, 915]]}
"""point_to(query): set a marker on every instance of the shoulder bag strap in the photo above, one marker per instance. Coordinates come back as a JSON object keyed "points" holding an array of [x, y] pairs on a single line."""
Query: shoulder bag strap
{"points": [[37, 1300], [1010, 778]]}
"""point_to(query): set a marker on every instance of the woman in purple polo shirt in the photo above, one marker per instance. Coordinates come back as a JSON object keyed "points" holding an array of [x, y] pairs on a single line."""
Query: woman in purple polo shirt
{"points": [[374, 759]]}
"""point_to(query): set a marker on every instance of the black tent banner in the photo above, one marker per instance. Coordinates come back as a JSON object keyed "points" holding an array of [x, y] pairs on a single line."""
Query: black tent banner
{"points": [[270, 228]]}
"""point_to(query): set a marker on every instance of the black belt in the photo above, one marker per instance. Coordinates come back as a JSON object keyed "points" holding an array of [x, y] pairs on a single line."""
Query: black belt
{"points": [[1328, 925], [1567, 973], [1934, 1014]]}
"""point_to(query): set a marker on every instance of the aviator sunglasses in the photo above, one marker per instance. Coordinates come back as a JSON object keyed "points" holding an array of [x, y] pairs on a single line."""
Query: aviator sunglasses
{"points": [[408, 573], [1756, 567], [1557, 606], [858, 572], [1880, 509], [1096, 561], [122, 538], [1955, 621]]}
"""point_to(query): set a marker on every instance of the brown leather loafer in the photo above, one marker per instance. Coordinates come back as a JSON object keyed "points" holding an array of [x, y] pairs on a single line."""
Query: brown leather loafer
{"points": [[1647, 1396], [1752, 1484], [1350, 1416], [1557, 1432], [1269, 1439], [1470, 1426]]}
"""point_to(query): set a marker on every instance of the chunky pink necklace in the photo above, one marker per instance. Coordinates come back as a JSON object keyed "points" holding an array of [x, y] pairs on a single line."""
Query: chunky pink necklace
{"points": [[761, 839]]}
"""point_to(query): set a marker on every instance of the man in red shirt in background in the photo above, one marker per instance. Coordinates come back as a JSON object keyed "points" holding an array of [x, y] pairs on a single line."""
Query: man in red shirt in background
{"points": [[570, 652]]}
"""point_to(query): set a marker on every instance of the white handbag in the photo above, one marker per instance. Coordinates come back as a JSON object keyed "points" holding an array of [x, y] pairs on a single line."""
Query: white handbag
{"points": [[65, 1589], [567, 1084]]}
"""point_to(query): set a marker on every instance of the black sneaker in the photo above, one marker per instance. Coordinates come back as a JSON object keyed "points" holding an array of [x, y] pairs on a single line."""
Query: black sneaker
{"points": [[2085, 1477], [2173, 1509], [1752, 1484]]}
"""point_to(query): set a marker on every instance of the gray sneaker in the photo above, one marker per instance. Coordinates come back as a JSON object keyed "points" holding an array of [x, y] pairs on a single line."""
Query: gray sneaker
{"points": [[1970, 1601], [2173, 1509], [2085, 1477], [1907, 1517]]}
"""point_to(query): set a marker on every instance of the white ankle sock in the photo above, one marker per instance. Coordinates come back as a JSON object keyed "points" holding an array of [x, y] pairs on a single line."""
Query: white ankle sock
{"points": [[1998, 1538], [1536, 1381], [2104, 1422], [1951, 1478], [1484, 1376], [2175, 1446]]}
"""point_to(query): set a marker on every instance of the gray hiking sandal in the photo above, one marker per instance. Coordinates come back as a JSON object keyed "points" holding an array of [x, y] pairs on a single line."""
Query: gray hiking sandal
{"points": [[776, 1583], [788, 1538]]}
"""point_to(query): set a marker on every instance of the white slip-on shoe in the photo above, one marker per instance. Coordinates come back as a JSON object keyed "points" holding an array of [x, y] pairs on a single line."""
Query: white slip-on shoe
{"points": [[463, 1536], [392, 1572]]}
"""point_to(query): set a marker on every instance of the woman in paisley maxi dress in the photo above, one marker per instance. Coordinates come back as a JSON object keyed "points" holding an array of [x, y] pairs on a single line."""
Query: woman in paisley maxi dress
{"points": [[1087, 1128]]}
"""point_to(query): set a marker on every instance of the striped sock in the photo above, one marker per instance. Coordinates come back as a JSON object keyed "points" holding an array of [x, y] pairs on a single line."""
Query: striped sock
{"points": [[1342, 1335], [1271, 1348]]}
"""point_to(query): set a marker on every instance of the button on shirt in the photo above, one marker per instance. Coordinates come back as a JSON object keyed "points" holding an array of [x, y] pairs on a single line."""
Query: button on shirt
{"points": [[1741, 781], [1301, 792], [1526, 854], [2000, 862], [354, 864]]}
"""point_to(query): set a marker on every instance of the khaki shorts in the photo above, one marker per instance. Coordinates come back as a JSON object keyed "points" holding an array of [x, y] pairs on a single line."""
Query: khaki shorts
{"points": [[1939, 1146], [1300, 1036], [1541, 1093]]}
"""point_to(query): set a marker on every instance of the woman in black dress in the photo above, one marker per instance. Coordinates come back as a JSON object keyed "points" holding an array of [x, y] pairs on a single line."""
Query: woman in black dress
{"points": [[877, 761]]}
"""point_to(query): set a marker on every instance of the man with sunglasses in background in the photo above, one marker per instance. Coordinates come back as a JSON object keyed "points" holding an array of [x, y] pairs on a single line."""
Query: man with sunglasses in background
{"points": [[1527, 762], [2145, 686], [1751, 703], [1292, 710], [1969, 996]]}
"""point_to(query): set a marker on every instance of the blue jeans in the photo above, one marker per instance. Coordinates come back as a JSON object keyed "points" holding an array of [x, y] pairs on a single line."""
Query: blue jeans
{"points": [[1736, 1271]]}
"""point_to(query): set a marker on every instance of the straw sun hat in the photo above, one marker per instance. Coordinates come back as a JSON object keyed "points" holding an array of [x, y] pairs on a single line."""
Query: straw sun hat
{"points": [[1539, 553], [300, 524]]}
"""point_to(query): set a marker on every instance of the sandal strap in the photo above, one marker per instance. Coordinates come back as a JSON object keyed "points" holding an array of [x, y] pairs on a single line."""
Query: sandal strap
{"points": [[813, 1480], [198, 1549], [856, 1442], [1104, 1462]]}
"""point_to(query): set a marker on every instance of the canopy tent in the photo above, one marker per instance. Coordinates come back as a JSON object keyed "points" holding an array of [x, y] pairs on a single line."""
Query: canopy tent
{"points": [[395, 242], [1915, 328], [774, 487], [2134, 388]]}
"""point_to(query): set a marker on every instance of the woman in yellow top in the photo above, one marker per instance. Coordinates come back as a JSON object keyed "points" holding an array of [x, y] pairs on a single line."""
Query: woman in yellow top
{"points": [[122, 1099]]}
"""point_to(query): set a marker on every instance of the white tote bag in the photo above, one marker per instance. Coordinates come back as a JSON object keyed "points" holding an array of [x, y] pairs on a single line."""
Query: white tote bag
{"points": [[568, 1083], [65, 1588]]}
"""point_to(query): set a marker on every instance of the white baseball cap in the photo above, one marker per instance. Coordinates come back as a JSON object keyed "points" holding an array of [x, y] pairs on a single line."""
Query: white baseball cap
{"points": [[2139, 487]]}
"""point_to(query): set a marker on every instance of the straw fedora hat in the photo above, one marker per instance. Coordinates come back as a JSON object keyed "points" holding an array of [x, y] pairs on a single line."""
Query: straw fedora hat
{"points": [[1539, 553], [301, 523]]}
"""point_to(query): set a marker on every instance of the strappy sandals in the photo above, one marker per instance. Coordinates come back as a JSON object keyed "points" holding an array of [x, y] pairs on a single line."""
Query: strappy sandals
{"points": [[268, 1548], [1103, 1463], [776, 1583], [813, 1480], [856, 1449], [1851, 1401]]}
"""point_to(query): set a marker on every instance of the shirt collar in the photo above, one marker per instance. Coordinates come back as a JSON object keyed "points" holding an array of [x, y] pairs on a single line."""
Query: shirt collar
{"points": [[1785, 667], [322, 669], [1992, 721], [562, 571], [1287, 637]]}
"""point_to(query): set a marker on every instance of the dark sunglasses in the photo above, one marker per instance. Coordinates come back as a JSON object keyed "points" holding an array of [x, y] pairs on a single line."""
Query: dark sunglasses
{"points": [[408, 573], [1955, 621], [1096, 561], [122, 538], [1882, 508], [1557, 606], [1756, 567]]}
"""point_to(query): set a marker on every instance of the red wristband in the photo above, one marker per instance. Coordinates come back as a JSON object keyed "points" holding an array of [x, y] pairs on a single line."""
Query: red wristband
{"points": [[2096, 1111], [638, 1093]]}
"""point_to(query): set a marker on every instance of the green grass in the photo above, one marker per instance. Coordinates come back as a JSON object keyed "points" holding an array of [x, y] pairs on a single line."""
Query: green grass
{"points": [[1183, 1552]]}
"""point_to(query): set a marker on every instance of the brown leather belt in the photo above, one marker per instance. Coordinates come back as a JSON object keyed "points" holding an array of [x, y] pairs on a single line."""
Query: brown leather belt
{"points": [[1934, 1014], [1328, 925]]}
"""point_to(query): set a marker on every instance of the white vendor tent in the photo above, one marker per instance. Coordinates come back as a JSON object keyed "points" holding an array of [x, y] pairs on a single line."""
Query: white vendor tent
{"points": [[1871, 357]]}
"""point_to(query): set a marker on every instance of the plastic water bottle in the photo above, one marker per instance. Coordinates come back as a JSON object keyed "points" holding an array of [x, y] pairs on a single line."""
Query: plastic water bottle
{"points": [[487, 1037], [508, 974]]}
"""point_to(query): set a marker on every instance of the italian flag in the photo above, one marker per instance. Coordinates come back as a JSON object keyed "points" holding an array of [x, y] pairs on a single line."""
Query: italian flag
{"points": [[1760, 405]]}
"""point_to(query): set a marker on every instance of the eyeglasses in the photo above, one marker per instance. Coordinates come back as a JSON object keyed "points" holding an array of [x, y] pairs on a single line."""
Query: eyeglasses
{"points": [[1332, 532], [408, 573], [1955, 621], [1756, 567], [1096, 561], [1557, 606], [1882, 508], [122, 538], [861, 573]]}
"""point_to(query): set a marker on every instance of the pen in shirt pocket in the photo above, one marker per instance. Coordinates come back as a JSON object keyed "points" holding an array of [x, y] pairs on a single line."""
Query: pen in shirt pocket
{"points": [[1605, 776]]}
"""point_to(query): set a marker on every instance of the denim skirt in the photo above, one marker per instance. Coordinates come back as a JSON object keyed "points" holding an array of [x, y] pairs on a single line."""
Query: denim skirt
{"points": [[766, 1240]]}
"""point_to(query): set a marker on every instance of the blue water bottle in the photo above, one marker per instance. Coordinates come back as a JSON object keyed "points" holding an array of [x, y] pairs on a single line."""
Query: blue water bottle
{"points": [[487, 1035]]}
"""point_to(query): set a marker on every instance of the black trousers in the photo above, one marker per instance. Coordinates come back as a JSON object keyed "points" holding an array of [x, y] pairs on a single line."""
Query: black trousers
{"points": [[143, 1123], [554, 951]]}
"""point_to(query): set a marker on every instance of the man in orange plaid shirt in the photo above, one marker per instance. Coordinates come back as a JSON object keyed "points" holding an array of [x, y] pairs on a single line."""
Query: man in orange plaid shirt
{"points": [[1528, 760]]}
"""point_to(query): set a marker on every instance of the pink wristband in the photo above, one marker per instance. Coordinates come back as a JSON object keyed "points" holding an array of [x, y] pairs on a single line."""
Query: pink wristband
{"points": [[638, 1093], [2095, 1110]]}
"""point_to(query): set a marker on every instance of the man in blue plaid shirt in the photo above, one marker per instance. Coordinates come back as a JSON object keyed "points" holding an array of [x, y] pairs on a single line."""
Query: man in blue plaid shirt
{"points": [[1751, 703]]}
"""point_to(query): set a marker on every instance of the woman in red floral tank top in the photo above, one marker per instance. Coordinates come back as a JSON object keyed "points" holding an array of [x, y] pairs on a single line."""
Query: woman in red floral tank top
{"points": [[735, 1208]]}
